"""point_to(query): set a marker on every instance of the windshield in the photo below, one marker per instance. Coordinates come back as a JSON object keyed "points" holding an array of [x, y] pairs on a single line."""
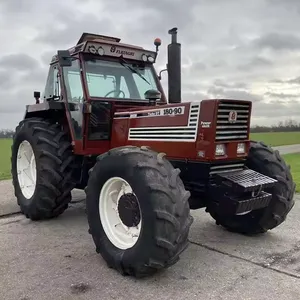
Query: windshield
{"points": [[118, 79]]}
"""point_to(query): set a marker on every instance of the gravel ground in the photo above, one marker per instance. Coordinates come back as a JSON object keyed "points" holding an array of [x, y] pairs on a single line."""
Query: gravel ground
{"points": [[288, 149], [56, 259]]}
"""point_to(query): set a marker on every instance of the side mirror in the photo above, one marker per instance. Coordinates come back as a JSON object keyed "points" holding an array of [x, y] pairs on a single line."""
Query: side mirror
{"points": [[37, 96], [64, 58], [152, 96]]}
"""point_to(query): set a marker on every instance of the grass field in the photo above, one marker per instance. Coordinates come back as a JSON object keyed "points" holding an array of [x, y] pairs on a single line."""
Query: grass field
{"points": [[277, 138], [5, 145], [269, 138], [294, 161]]}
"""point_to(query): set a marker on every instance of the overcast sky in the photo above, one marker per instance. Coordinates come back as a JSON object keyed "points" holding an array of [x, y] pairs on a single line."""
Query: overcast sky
{"points": [[236, 49]]}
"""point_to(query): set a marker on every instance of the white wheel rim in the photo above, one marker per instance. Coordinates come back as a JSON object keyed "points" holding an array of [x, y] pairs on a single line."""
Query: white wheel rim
{"points": [[26, 169], [118, 233]]}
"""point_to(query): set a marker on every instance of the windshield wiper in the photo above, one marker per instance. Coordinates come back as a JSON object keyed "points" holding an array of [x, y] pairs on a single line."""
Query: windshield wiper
{"points": [[123, 62]]}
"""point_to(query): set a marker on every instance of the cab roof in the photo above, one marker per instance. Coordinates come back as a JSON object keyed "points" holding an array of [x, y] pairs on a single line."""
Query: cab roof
{"points": [[103, 45]]}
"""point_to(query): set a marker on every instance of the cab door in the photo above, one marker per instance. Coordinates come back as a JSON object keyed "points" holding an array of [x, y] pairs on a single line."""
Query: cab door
{"points": [[74, 94]]}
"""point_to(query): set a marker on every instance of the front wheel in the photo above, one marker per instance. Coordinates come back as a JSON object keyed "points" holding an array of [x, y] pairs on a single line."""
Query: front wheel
{"points": [[137, 210], [266, 161]]}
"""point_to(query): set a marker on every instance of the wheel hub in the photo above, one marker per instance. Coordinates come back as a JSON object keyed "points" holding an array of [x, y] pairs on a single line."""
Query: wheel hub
{"points": [[128, 209]]}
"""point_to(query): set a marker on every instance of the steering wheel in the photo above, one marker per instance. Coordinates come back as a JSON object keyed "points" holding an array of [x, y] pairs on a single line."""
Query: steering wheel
{"points": [[113, 91]]}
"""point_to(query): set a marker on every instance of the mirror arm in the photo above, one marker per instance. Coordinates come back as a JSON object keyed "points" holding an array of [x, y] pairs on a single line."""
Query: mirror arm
{"points": [[159, 76]]}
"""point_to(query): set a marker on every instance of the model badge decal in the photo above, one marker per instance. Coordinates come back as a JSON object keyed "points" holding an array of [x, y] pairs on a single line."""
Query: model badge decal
{"points": [[169, 111], [232, 116], [205, 124]]}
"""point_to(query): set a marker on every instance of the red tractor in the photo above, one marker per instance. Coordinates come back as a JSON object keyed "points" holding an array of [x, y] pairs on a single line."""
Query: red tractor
{"points": [[104, 125]]}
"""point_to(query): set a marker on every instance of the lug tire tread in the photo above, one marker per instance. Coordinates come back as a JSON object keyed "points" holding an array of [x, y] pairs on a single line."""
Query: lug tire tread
{"points": [[56, 161], [171, 211]]}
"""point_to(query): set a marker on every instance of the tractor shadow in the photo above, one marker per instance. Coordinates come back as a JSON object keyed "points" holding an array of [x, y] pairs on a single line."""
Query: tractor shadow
{"points": [[278, 248]]}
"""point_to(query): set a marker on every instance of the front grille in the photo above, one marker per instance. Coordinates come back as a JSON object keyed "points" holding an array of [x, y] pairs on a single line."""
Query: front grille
{"points": [[227, 167], [232, 131]]}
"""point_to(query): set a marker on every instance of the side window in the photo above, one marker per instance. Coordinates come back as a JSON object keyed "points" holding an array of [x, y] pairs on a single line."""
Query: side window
{"points": [[52, 89], [73, 82], [124, 87]]}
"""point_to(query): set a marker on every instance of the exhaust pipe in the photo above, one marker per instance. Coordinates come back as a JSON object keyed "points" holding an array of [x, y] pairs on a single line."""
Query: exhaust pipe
{"points": [[174, 68]]}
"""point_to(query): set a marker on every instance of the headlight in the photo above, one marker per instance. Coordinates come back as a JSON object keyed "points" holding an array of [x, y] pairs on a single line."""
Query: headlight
{"points": [[144, 57], [92, 49], [241, 149], [220, 150], [101, 51], [150, 59]]}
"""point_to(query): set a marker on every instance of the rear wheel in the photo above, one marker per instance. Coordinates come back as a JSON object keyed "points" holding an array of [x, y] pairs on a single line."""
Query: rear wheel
{"points": [[42, 168], [137, 210], [267, 161]]}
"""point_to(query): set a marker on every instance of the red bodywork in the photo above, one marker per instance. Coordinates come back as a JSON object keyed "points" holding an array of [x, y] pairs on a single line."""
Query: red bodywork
{"points": [[201, 147], [134, 126]]}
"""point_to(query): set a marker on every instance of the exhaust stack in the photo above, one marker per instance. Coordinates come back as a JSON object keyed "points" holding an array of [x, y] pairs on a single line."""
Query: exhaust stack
{"points": [[174, 68]]}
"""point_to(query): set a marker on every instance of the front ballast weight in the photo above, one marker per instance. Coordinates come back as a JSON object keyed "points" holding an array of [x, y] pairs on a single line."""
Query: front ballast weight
{"points": [[240, 192], [267, 187], [138, 210]]}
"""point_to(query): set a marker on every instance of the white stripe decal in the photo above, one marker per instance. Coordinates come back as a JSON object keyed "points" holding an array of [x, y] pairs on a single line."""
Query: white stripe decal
{"points": [[171, 134]]}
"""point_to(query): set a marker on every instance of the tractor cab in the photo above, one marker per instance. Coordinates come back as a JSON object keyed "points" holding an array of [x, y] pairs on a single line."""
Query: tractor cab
{"points": [[97, 77]]}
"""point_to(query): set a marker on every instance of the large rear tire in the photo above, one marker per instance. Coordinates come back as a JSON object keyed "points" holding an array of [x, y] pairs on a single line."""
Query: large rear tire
{"points": [[159, 220], [42, 168], [267, 161]]}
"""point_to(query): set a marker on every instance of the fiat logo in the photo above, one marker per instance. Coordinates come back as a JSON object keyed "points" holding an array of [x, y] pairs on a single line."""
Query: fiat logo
{"points": [[232, 116]]}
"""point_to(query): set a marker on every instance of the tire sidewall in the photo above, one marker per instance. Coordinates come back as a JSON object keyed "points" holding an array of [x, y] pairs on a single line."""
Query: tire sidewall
{"points": [[21, 135], [118, 166]]}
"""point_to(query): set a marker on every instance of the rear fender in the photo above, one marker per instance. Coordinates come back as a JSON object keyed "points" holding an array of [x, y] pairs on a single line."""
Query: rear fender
{"points": [[49, 109], [45, 110]]}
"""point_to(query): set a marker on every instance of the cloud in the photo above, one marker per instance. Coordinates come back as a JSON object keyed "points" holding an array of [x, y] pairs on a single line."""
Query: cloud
{"points": [[282, 95], [70, 31], [255, 63], [18, 62], [278, 41], [223, 84], [295, 80], [230, 49], [279, 109], [233, 94], [6, 79]]}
